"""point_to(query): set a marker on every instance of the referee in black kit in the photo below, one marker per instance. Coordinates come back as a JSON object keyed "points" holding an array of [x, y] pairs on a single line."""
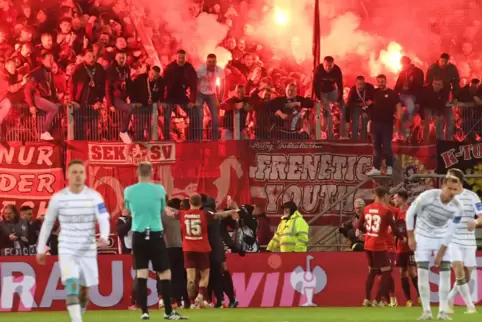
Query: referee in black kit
{"points": [[146, 201]]}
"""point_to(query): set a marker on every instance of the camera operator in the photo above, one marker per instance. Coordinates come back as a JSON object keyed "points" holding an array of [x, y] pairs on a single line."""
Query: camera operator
{"points": [[348, 228], [124, 233]]}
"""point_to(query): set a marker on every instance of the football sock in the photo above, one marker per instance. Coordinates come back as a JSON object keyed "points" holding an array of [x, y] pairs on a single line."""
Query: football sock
{"points": [[464, 289], [75, 312], [444, 289], [166, 293], [228, 286], [406, 288], [369, 284], [454, 292], [415, 284], [391, 289], [83, 304], [142, 294], [385, 283], [424, 288], [203, 291]]}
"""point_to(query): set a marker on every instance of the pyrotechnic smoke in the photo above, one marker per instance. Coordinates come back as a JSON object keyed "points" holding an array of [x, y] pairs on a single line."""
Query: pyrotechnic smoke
{"points": [[199, 34]]}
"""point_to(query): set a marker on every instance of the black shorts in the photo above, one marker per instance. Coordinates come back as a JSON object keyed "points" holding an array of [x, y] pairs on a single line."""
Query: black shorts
{"points": [[378, 259], [153, 250], [405, 260]]}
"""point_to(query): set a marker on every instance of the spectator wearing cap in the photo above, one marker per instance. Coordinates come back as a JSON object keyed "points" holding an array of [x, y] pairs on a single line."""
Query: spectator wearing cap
{"points": [[447, 72], [87, 91], [180, 78], [328, 88], [118, 85], [292, 233], [40, 93], [409, 85], [148, 89]]}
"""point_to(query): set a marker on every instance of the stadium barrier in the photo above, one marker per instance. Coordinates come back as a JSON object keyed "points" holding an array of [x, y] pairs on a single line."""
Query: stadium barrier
{"points": [[149, 123], [260, 280]]}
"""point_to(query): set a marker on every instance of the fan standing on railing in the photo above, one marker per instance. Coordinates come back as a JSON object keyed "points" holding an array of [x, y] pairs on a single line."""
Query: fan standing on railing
{"points": [[40, 93], [148, 89], [87, 90], [117, 88]]}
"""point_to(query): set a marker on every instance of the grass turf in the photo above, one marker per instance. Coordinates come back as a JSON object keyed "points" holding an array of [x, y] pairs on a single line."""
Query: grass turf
{"points": [[249, 315]]}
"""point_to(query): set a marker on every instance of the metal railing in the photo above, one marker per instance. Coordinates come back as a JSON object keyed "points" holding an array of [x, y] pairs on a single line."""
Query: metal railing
{"points": [[178, 123]]}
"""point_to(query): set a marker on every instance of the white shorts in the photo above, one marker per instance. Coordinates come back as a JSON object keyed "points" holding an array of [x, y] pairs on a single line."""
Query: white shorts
{"points": [[427, 249], [85, 270], [465, 254]]}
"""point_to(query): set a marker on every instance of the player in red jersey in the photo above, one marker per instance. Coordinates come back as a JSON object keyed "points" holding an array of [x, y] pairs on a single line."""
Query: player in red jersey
{"points": [[405, 256], [196, 247], [375, 222], [392, 254]]}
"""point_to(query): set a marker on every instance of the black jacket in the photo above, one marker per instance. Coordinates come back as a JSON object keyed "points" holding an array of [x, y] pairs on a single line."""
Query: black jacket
{"points": [[413, 78], [123, 226], [324, 82], [429, 99], [41, 82], [449, 75], [118, 83], [80, 88], [178, 80], [355, 100], [140, 94]]}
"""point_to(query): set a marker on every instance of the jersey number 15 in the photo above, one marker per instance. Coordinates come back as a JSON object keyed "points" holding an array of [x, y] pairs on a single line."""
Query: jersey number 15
{"points": [[372, 223], [193, 227]]}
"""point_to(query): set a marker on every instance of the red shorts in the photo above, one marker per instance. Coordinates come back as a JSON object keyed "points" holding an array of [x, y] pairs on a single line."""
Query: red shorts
{"points": [[405, 259], [392, 256], [197, 260], [377, 259]]}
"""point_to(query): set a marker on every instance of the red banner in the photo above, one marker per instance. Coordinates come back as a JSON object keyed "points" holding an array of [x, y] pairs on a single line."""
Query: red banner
{"points": [[260, 280], [30, 174], [313, 174], [218, 169]]}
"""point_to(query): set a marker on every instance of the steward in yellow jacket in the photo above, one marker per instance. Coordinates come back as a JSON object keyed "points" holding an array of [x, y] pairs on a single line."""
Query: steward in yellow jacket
{"points": [[292, 232]]}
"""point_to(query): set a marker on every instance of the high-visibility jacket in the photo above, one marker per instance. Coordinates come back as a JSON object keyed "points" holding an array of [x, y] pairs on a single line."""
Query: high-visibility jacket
{"points": [[291, 234]]}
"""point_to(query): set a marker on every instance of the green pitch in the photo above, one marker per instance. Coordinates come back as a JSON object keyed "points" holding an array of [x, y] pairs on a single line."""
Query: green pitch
{"points": [[249, 315]]}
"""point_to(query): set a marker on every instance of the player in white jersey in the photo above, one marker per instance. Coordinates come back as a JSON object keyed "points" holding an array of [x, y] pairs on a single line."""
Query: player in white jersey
{"points": [[77, 208], [438, 213], [463, 247]]}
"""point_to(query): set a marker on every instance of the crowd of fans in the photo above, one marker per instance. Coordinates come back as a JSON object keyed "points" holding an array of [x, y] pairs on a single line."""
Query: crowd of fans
{"points": [[86, 57]]}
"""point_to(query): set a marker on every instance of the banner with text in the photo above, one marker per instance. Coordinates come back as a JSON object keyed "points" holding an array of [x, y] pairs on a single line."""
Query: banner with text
{"points": [[215, 168], [260, 280], [313, 174], [464, 156], [29, 174]]}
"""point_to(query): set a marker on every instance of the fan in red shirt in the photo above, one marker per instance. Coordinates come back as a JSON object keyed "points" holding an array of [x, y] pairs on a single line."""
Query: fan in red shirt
{"points": [[375, 222], [405, 256], [196, 247]]}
